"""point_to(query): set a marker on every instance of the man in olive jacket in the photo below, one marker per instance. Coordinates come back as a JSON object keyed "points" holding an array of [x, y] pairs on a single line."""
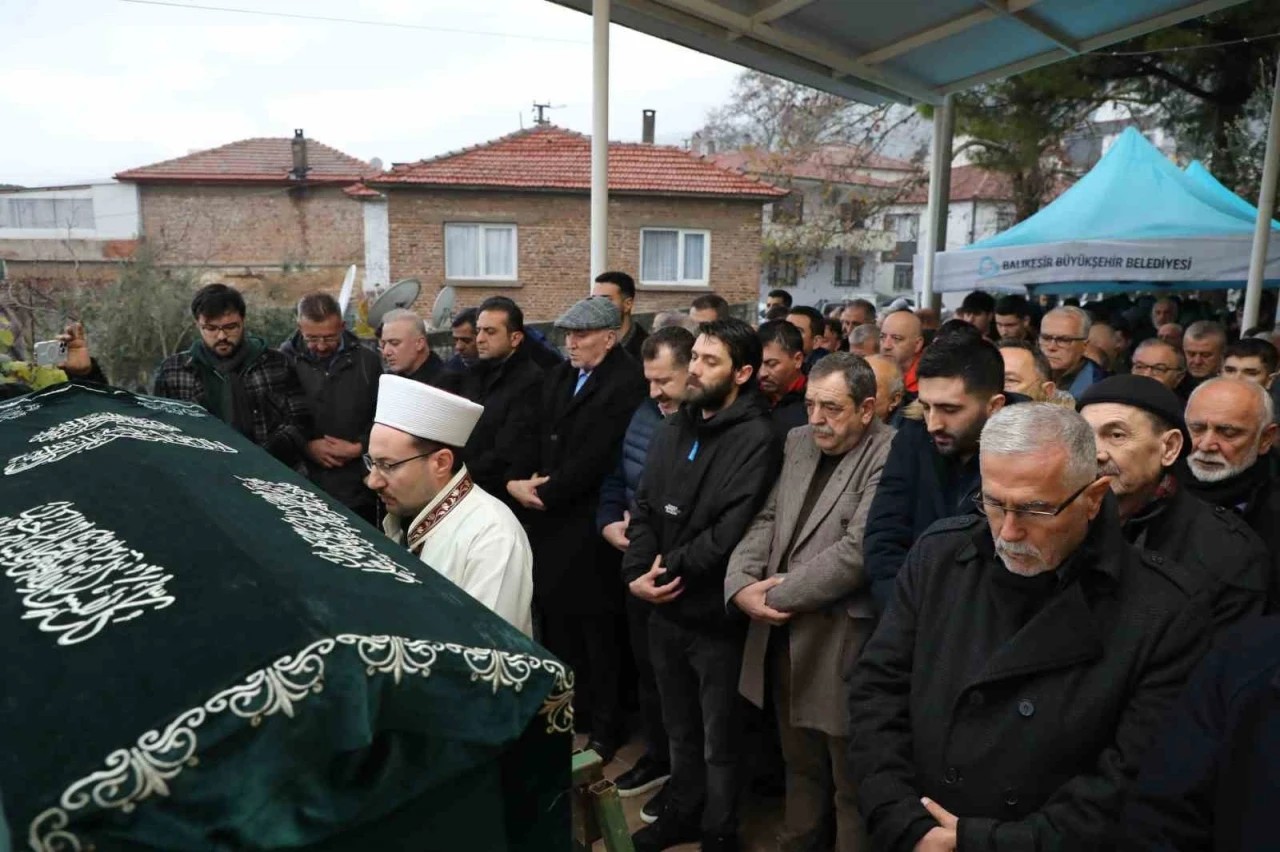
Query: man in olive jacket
{"points": [[798, 574], [1024, 663]]}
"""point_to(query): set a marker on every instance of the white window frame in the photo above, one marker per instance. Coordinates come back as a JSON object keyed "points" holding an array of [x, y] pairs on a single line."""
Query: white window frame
{"points": [[484, 226], [680, 281]]}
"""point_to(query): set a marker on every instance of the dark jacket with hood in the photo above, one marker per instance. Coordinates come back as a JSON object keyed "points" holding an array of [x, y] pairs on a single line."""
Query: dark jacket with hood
{"points": [[1211, 780], [704, 481], [918, 486], [1211, 542], [511, 393], [342, 393], [1023, 705]]}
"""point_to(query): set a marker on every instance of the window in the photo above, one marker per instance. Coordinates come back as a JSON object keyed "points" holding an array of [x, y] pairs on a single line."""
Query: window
{"points": [[905, 226], [784, 270], [1004, 220], [789, 210], [480, 251], [674, 256], [903, 276], [848, 270], [46, 212]]}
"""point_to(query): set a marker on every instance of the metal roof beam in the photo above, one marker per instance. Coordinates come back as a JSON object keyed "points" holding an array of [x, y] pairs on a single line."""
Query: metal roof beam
{"points": [[946, 29], [838, 60], [771, 11], [1168, 19], [1035, 24]]}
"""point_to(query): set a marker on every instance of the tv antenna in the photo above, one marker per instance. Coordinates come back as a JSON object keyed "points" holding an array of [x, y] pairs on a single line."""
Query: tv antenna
{"points": [[539, 112]]}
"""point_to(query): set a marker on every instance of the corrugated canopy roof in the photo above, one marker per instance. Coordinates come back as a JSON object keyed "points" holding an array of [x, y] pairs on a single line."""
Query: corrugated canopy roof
{"points": [[898, 50]]}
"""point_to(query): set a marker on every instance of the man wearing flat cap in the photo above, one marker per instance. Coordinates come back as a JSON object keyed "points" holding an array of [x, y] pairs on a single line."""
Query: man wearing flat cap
{"points": [[586, 405], [435, 508], [1140, 433]]}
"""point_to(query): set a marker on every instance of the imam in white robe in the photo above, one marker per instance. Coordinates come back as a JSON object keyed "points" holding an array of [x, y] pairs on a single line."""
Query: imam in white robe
{"points": [[475, 541]]}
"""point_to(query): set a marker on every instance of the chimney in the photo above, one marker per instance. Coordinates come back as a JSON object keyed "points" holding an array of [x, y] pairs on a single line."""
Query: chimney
{"points": [[300, 167], [646, 135]]}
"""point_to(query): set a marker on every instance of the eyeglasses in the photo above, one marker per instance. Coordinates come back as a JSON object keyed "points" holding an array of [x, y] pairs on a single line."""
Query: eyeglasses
{"points": [[1059, 340], [1158, 369], [322, 338], [996, 510], [384, 468], [228, 329]]}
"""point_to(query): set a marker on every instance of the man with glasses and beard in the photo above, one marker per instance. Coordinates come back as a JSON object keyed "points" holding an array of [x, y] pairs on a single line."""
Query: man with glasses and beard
{"points": [[1024, 661], [708, 471], [932, 470], [237, 378], [1137, 423], [433, 506], [1232, 427]]}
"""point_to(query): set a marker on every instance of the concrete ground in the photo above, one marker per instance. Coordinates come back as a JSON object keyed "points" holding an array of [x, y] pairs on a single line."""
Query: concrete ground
{"points": [[761, 816]]}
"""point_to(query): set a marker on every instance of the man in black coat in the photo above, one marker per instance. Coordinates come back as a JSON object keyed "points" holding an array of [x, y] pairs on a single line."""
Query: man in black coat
{"points": [[509, 386], [586, 405], [340, 379], [932, 470], [709, 469], [620, 288], [402, 339], [1137, 423], [782, 378], [1211, 781], [1025, 659], [1232, 427]]}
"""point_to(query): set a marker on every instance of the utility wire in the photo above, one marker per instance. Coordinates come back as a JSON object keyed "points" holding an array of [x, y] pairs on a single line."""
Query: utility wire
{"points": [[1183, 49], [332, 20]]}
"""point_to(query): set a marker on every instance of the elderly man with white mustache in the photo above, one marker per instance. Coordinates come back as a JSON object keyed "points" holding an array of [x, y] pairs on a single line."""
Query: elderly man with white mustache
{"points": [[1232, 428], [1025, 659]]}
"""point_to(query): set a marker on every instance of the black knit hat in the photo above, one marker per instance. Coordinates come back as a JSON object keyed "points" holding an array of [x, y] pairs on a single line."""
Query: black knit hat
{"points": [[1140, 392]]}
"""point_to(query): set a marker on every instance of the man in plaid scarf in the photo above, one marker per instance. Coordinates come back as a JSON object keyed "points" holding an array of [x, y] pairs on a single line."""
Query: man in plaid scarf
{"points": [[237, 378]]}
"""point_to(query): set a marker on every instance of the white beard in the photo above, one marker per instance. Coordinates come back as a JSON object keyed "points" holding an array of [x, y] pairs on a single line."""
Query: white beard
{"points": [[1033, 568], [1218, 474]]}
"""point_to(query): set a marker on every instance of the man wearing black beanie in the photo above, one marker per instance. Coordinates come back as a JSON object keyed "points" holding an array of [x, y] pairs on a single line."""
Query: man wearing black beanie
{"points": [[1140, 433]]}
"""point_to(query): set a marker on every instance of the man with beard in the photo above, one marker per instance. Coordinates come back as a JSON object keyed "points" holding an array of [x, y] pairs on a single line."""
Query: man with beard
{"points": [[586, 405], [1024, 661], [1164, 312], [1232, 428], [1137, 424], [932, 470], [340, 379], [237, 378], [709, 469], [781, 374], [509, 386], [620, 288], [797, 574], [665, 355]]}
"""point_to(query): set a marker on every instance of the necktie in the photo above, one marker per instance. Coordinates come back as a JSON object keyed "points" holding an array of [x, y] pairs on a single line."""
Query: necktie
{"points": [[582, 380]]}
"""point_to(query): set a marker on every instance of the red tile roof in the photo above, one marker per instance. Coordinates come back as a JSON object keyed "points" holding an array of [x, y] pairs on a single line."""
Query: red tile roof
{"points": [[547, 157], [974, 183], [359, 190], [835, 163], [263, 160]]}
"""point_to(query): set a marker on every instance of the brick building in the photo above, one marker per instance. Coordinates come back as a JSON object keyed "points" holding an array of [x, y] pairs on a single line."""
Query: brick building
{"points": [[511, 217], [267, 213]]}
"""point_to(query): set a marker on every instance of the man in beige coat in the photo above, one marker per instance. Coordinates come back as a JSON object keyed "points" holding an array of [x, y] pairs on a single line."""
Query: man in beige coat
{"points": [[798, 575]]}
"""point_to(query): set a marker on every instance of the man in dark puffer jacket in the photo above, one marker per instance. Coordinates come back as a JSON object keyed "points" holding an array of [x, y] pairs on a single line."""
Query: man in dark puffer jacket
{"points": [[665, 355]]}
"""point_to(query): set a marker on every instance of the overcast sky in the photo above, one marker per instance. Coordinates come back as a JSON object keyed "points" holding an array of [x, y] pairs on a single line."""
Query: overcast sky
{"points": [[91, 87]]}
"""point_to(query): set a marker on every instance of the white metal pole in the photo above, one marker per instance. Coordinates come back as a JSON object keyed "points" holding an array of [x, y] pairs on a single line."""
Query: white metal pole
{"points": [[944, 122], [599, 138], [1266, 203]]}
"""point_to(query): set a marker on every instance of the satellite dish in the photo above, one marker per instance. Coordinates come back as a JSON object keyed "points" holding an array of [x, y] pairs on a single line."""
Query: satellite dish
{"points": [[344, 296], [442, 307], [376, 162], [401, 294]]}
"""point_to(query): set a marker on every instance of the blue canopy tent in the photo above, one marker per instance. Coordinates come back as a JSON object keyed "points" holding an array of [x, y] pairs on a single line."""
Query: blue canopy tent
{"points": [[1224, 197], [1134, 221]]}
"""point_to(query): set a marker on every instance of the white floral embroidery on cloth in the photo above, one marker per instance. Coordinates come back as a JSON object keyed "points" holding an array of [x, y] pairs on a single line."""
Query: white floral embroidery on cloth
{"points": [[170, 406], [330, 535], [96, 430], [17, 408], [143, 770], [75, 578]]}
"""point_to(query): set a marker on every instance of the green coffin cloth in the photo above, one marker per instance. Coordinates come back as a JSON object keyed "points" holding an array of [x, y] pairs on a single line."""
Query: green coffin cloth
{"points": [[203, 653]]}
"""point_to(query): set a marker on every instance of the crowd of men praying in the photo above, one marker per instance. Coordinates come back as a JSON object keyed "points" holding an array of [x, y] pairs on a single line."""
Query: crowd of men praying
{"points": [[994, 583]]}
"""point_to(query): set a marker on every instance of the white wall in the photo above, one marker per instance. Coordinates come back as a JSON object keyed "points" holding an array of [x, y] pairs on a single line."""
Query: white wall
{"points": [[115, 212], [377, 246]]}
